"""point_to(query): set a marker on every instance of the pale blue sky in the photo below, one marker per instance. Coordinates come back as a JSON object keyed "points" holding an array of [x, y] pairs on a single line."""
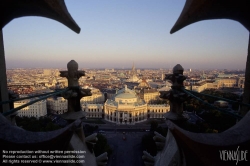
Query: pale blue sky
{"points": [[116, 33]]}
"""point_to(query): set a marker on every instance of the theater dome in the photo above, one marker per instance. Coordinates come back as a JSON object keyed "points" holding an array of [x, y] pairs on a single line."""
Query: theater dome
{"points": [[126, 95]]}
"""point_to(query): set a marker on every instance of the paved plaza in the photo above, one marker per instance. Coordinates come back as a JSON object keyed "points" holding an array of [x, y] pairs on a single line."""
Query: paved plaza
{"points": [[126, 152]]}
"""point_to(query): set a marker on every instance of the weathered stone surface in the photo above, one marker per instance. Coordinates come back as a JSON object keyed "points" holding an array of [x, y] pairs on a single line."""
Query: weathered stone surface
{"points": [[246, 95], [53, 9], [201, 148], [148, 159], [3, 81], [68, 138], [171, 154], [198, 10], [238, 10], [75, 93], [11, 9], [204, 148], [78, 142], [159, 141], [102, 159], [15, 138], [92, 139], [175, 95]]}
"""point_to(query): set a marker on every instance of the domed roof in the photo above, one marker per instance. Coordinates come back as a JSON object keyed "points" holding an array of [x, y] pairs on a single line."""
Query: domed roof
{"points": [[126, 93], [126, 96]]}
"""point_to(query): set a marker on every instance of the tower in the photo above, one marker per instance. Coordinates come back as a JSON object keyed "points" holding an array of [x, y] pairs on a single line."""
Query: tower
{"points": [[133, 71]]}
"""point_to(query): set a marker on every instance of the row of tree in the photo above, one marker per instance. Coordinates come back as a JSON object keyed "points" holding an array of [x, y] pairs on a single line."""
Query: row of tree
{"points": [[214, 120], [42, 124]]}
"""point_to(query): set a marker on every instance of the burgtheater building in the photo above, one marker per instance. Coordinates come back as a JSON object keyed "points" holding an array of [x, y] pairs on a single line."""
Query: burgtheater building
{"points": [[127, 108]]}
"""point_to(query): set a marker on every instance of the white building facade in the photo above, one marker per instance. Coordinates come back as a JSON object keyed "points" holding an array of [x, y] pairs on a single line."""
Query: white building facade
{"points": [[36, 110], [96, 97], [128, 108], [93, 110]]}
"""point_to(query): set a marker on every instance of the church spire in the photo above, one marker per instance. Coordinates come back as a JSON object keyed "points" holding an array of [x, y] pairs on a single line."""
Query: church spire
{"points": [[133, 67]]}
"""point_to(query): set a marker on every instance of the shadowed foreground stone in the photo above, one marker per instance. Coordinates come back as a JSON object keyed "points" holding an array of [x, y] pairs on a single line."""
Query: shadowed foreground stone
{"points": [[11, 9], [237, 10], [175, 94], [198, 10], [53, 9], [68, 138], [187, 148], [75, 92], [16, 138]]}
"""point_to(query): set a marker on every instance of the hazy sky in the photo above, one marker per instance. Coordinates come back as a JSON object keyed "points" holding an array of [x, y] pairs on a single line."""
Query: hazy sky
{"points": [[116, 33]]}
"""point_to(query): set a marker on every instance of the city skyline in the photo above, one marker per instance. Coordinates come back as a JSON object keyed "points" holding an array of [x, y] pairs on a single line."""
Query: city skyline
{"points": [[114, 34]]}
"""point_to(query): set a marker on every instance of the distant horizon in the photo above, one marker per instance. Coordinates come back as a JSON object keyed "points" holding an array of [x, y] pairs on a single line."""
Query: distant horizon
{"points": [[114, 34], [123, 67], [127, 68]]}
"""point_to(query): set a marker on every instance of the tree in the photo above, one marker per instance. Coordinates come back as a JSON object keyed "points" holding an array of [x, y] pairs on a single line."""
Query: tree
{"points": [[35, 125]]}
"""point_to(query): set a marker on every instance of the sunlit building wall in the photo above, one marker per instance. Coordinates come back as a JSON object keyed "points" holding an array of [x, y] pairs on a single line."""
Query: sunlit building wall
{"points": [[93, 110], [128, 108], [57, 105], [36, 110]]}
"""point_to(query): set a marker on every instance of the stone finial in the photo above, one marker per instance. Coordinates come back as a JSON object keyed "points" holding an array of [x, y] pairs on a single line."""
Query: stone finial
{"points": [[72, 74], [72, 65], [178, 69], [175, 95], [75, 92]]}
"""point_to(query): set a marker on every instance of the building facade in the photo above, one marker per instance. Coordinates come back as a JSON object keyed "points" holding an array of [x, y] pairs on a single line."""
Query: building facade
{"points": [[96, 97], [93, 110], [148, 94], [151, 95], [128, 108], [241, 82], [218, 83], [36, 110], [57, 105], [157, 110]]}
